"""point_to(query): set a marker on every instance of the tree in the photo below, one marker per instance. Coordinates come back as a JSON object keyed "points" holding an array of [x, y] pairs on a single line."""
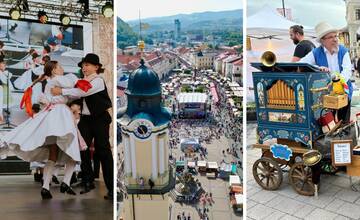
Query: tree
{"points": [[187, 71], [200, 89], [186, 88]]}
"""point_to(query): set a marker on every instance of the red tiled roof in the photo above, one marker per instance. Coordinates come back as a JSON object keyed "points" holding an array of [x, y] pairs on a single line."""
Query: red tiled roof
{"points": [[235, 60], [150, 56], [126, 59], [183, 50], [238, 62]]}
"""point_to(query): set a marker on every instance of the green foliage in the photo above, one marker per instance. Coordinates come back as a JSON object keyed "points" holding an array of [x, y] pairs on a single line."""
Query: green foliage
{"points": [[187, 71], [237, 101], [125, 35], [186, 88], [200, 89]]}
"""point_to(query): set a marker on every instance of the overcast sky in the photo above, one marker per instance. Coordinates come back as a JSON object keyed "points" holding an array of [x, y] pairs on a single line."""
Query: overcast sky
{"points": [[129, 10], [307, 12]]}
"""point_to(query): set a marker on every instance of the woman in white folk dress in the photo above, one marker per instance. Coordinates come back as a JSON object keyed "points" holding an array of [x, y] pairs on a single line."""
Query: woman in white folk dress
{"points": [[51, 135]]}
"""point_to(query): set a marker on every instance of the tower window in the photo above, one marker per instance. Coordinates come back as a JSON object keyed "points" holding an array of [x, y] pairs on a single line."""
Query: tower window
{"points": [[357, 14]]}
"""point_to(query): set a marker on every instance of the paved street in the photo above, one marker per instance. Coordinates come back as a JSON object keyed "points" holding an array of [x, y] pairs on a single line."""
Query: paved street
{"points": [[336, 199], [219, 188]]}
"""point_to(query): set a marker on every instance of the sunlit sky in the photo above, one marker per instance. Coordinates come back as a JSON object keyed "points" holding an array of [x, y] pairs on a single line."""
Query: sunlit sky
{"points": [[129, 10], [307, 12]]}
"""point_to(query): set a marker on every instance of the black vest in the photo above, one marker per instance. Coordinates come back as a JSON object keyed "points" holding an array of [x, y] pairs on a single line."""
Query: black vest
{"points": [[43, 83], [98, 103]]}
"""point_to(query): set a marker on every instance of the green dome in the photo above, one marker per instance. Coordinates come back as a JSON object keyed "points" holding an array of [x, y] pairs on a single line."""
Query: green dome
{"points": [[143, 82]]}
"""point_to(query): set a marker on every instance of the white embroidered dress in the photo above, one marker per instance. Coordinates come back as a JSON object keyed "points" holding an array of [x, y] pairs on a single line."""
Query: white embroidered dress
{"points": [[54, 124]]}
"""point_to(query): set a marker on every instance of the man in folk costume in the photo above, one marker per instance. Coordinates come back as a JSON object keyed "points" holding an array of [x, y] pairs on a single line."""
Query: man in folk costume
{"points": [[334, 58], [94, 122]]}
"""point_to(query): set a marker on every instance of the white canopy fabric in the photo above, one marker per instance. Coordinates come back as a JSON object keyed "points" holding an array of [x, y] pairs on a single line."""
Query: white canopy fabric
{"points": [[269, 18], [226, 167], [192, 97], [267, 22], [213, 165], [191, 164], [239, 199], [234, 180], [201, 163], [189, 141]]}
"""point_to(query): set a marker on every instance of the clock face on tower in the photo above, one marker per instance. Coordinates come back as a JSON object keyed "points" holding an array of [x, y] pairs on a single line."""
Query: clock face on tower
{"points": [[142, 128]]}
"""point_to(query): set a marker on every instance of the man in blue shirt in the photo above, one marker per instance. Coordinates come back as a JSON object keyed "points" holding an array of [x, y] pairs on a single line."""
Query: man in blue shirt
{"points": [[332, 57]]}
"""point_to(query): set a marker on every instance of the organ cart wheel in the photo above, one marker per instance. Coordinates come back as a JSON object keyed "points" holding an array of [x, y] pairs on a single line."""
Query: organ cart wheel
{"points": [[267, 173], [300, 178]]}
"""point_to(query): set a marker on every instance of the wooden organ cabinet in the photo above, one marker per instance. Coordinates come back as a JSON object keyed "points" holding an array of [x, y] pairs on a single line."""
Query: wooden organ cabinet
{"points": [[288, 100]]}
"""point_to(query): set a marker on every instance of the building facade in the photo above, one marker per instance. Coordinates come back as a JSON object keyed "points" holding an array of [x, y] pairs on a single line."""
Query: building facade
{"points": [[177, 32], [237, 72], [144, 126], [202, 60], [353, 22]]}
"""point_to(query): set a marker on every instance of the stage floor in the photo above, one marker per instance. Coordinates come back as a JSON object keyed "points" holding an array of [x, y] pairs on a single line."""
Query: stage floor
{"points": [[20, 199]]}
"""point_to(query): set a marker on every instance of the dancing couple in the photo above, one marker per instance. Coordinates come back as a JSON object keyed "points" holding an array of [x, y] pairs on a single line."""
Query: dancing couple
{"points": [[52, 136]]}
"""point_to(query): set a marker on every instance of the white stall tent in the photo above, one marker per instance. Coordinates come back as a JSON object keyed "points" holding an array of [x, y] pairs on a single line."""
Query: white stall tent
{"points": [[268, 30], [239, 198], [234, 180]]}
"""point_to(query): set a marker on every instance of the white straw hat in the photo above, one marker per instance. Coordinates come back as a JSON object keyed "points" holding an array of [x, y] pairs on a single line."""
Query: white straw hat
{"points": [[322, 29]]}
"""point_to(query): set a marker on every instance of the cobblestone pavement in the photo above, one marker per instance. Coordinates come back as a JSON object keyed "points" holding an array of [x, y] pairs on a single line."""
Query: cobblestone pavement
{"points": [[336, 200]]}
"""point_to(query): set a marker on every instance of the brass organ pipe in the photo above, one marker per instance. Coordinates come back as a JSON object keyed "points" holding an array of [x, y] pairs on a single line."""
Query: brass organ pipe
{"points": [[275, 93], [279, 88], [279, 93], [283, 96], [292, 97], [289, 95]]}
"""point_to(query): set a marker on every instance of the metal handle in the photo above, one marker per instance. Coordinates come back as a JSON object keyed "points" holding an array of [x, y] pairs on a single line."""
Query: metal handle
{"points": [[319, 89]]}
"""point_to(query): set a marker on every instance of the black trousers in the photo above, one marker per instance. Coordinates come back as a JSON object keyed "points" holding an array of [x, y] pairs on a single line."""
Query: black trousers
{"points": [[97, 128], [345, 113]]}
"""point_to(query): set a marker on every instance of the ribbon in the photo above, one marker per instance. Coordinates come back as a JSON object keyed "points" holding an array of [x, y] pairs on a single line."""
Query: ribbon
{"points": [[49, 107], [26, 100], [84, 85]]}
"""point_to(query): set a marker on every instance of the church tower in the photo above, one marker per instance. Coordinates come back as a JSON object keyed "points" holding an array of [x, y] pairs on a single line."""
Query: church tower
{"points": [[148, 176]]}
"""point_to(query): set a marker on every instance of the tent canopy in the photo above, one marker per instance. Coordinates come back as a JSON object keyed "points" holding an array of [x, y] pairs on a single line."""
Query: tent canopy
{"points": [[268, 18], [192, 97], [201, 163], [239, 199], [226, 167], [213, 165], [260, 26], [234, 180], [189, 141]]}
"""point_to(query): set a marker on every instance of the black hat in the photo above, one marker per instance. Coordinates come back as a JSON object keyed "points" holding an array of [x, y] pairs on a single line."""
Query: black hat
{"points": [[91, 58]]}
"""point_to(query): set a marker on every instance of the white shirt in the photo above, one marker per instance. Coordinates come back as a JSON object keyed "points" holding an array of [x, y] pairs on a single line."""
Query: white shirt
{"points": [[333, 63], [98, 85]]}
